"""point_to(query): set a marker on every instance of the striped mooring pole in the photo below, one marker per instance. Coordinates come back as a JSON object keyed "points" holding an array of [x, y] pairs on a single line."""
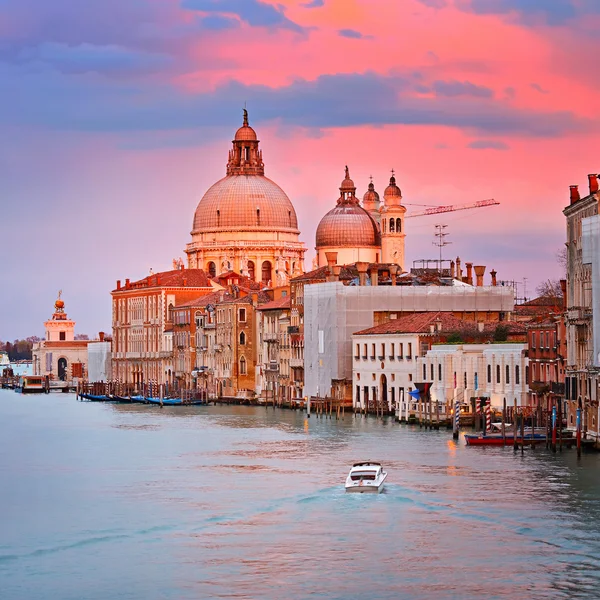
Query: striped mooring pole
{"points": [[456, 427], [488, 415]]}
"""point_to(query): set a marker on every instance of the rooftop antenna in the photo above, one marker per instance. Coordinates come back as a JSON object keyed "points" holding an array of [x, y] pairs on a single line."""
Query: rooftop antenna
{"points": [[440, 241]]}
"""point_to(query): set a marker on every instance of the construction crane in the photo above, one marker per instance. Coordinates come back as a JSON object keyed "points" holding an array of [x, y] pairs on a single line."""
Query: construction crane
{"points": [[436, 210]]}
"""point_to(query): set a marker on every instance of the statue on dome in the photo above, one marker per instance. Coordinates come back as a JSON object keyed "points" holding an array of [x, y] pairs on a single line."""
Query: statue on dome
{"points": [[347, 172], [315, 263]]}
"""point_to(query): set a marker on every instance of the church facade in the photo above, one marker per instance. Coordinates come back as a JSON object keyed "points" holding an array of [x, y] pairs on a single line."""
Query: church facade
{"points": [[245, 222]]}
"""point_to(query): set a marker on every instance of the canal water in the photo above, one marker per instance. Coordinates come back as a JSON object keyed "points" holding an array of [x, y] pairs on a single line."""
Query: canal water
{"points": [[128, 502]]}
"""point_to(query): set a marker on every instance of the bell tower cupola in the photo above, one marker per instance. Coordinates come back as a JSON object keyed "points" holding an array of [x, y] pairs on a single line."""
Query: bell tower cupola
{"points": [[392, 225]]}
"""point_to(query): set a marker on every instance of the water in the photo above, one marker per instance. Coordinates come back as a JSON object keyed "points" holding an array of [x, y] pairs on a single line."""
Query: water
{"points": [[123, 502]]}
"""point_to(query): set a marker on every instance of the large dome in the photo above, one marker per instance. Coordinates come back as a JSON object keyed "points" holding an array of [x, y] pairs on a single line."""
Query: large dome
{"points": [[347, 225], [245, 202]]}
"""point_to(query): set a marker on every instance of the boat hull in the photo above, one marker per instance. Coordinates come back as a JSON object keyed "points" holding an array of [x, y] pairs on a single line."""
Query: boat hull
{"points": [[498, 440], [366, 487]]}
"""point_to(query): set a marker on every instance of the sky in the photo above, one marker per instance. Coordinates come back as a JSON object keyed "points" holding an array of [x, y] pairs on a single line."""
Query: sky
{"points": [[117, 115]]}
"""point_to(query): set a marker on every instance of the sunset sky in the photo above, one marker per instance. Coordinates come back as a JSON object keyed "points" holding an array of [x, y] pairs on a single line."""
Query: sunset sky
{"points": [[117, 115]]}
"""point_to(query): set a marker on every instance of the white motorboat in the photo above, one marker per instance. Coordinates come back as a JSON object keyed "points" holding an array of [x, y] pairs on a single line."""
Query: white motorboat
{"points": [[366, 477]]}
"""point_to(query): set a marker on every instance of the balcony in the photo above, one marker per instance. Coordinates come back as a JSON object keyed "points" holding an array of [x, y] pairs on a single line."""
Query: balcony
{"points": [[297, 363], [272, 367], [372, 357], [364, 357], [357, 357], [208, 326], [381, 357], [293, 329], [217, 347], [400, 357], [391, 357], [270, 336]]}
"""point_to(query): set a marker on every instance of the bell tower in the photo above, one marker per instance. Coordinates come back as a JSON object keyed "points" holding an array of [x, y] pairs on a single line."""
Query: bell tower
{"points": [[392, 225]]}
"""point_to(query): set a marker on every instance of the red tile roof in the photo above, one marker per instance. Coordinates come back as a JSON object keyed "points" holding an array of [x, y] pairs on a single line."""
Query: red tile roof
{"points": [[282, 303], [189, 278], [205, 300], [421, 323]]}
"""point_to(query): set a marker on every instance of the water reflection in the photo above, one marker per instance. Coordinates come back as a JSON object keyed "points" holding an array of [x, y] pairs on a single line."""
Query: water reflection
{"points": [[204, 502]]}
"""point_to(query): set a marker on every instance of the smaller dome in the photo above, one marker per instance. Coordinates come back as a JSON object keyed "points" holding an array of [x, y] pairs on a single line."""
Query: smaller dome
{"points": [[392, 189], [347, 226], [245, 133], [371, 196]]}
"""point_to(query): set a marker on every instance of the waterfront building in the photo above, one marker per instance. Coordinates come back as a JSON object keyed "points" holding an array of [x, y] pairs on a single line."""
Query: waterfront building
{"points": [[59, 355], [333, 312], [143, 332], [388, 358], [274, 374], [581, 377], [99, 358], [467, 372], [236, 343], [547, 353], [245, 222]]}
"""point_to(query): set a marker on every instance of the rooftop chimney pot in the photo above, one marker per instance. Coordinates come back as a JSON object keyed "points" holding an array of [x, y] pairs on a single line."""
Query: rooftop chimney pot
{"points": [[574, 193], [593, 181]]}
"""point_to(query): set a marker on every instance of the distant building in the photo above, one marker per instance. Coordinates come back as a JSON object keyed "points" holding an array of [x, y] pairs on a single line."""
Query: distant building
{"points": [[59, 355], [99, 359]]}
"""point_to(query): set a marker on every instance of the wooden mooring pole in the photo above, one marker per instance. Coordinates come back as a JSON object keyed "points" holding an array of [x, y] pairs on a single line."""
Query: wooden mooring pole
{"points": [[515, 445]]}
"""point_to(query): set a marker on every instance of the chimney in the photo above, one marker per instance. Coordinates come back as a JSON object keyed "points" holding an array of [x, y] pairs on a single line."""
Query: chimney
{"points": [[452, 265], [394, 273], [118, 284], [574, 193], [593, 181], [563, 287], [374, 276], [336, 272], [101, 335], [469, 266], [184, 281], [458, 269], [362, 268], [493, 274], [127, 284], [157, 279], [479, 273]]}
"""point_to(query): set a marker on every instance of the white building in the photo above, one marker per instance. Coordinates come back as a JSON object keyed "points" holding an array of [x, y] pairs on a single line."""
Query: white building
{"points": [[59, 355], [468, 371]]}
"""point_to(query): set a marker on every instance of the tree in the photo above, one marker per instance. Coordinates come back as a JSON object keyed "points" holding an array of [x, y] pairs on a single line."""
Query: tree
{"points": [[501, 333], [550, 288]]}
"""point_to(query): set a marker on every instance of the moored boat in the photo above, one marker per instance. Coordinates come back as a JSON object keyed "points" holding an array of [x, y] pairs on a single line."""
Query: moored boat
{"points": [[367, 477]]}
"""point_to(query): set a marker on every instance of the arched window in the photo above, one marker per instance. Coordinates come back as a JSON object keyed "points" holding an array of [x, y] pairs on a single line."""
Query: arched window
{"points": [[391, 225], [251, 270], [242, 366], [517, 375], [384, 225], [266, 272], [399, 225], [440, 372], [242, 339], [507, 374], [489, 373], [211, 268], [497, 373]]}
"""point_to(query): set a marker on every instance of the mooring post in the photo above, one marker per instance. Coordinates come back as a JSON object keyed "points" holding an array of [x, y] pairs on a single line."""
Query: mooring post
{"points": [[504, 422], [578, 424], [456, 420], [522, 432], [554, 425], [515, 444], [560, 424]]}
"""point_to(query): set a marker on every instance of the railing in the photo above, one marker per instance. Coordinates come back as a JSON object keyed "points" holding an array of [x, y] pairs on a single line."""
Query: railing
{"points": [[391, 357], [217, 347], [270, 336], [381, 357], [297, 362]]}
